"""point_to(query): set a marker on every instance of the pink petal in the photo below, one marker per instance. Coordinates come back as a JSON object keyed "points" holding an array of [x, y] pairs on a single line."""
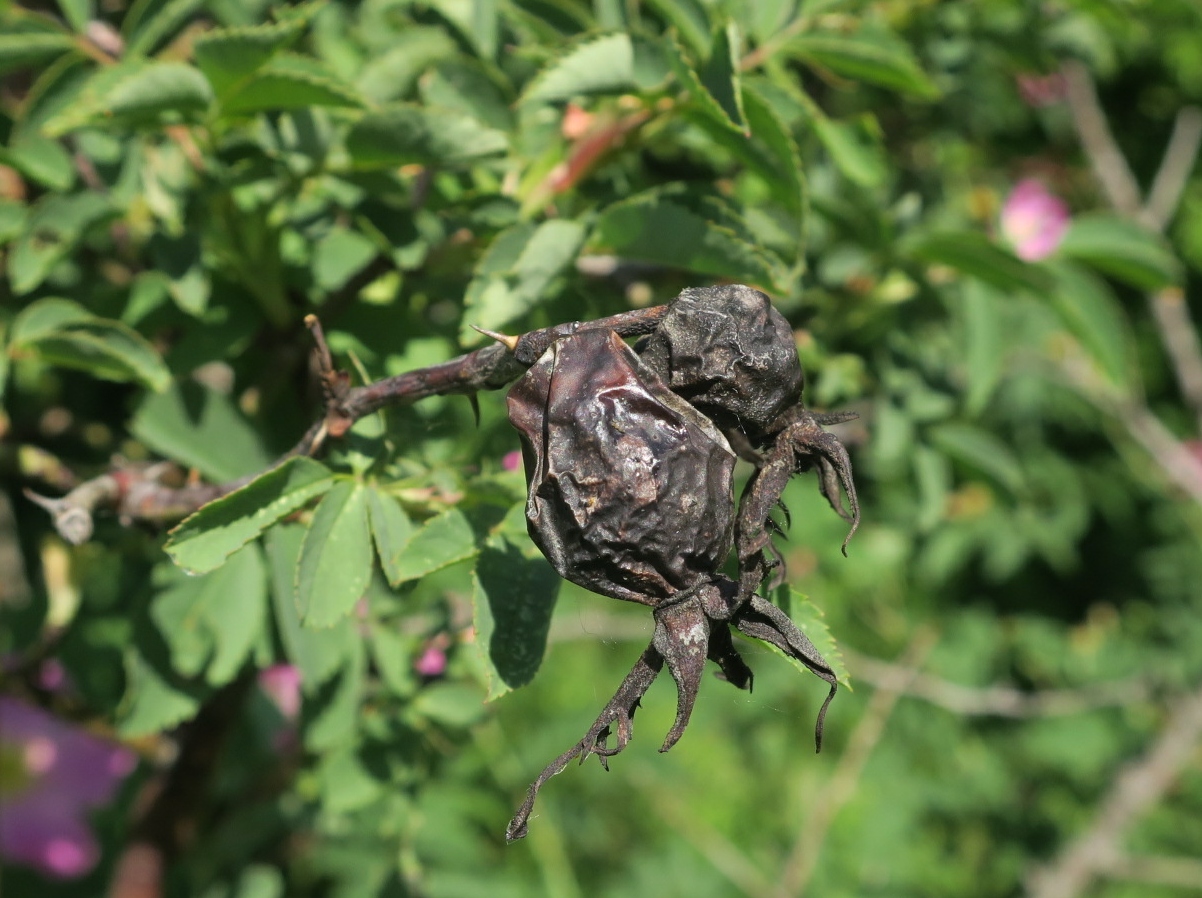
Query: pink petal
{"points": [[432, 663], [1034, 220], [48, 836], [512, 461], [282, 684]]}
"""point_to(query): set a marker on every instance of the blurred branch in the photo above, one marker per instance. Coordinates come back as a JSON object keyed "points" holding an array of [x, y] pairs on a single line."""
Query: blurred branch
{"points": [[803, 859], [1181, 342], [1098, 142], [724, 855], [1175, 168], [138, 492], [1182, 872], [994, 701], [1169, 311], [1134, 792]]}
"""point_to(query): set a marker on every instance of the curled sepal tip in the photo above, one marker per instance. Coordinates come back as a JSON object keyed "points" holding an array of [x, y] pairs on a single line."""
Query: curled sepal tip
{"points": [[620, 710], [762, 620]]}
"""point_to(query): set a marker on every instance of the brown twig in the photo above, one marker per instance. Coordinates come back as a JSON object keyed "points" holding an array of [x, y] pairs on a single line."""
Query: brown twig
{"points": [[1133, 793], [137, 493], [1101, 149], [803, 858], [1169, 311], [1181, 872], [994, 701], [1180, 340], [1179, 158]]}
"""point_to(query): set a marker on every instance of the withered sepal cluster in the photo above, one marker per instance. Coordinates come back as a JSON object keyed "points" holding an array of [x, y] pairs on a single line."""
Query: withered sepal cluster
{"points": [[629, 465]]}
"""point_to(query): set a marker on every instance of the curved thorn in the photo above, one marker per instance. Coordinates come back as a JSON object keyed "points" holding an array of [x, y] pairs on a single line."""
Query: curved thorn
{"points": [[510, 343]]}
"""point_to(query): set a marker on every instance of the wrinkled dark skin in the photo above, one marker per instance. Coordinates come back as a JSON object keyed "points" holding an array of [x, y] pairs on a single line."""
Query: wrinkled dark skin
{"points": [[731, 354], [630, 496]]}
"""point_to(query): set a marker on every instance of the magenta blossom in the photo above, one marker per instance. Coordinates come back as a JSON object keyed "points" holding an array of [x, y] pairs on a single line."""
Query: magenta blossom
{"points": [[512, 461], [51, 775], [1034, 220], [433, 660], [282, 684]]}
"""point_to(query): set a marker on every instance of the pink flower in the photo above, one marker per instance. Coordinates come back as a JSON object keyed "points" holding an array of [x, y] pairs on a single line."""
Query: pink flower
{"points": [[576, 122], [1034, 220], [433, 661], [1041, 90], [51, 775], [282, 684], [512, 461]]}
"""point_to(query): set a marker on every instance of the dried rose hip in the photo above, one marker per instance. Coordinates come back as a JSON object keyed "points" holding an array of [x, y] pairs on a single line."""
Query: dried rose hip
{"points": [[630, 496], [630, 486], [730, 353]]}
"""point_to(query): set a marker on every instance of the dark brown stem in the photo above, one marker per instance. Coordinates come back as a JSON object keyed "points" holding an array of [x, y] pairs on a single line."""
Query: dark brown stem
{"points": [[137, 494]]}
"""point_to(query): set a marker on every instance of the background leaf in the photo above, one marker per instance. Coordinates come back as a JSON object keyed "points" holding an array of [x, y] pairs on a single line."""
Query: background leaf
{"points": [[513, 595]]}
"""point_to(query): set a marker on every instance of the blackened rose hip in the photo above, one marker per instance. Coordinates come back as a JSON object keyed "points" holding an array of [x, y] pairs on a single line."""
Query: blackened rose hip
{"points": [[630, 496]]}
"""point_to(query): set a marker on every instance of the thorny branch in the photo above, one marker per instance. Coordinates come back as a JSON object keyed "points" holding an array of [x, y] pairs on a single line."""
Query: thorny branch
{"points": [[145, 493]]}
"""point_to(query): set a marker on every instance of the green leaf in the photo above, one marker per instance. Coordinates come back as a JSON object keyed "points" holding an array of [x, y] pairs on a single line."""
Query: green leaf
{"points": [[1093, 314], [980, 449], [335, 561], [22, 50], [289, 82], [46, 317], [13, 216], [657, 230], [596, 65], [105, 349], [77, 13], [63, 333], [135, 92], [691, 81], [211, 622], [857, 156], [151, 22], [690, 20], [975, 255], [401, 134], [769, 129], [720, 77], [319, 654], [333, 714], [339, 256], [41, 158], [877, 59], [810, 619], [1123, 250], [228, 56], [514, 596], [391, 529], [203, 541], [202, 429], [441, 541], [55, 226], [504, 290], [153, 700], [391, 75], [985, 343], [455, 705]]}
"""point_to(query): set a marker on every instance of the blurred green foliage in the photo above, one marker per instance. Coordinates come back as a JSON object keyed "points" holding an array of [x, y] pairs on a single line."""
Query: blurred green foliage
{"points": [[182, 181]]}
